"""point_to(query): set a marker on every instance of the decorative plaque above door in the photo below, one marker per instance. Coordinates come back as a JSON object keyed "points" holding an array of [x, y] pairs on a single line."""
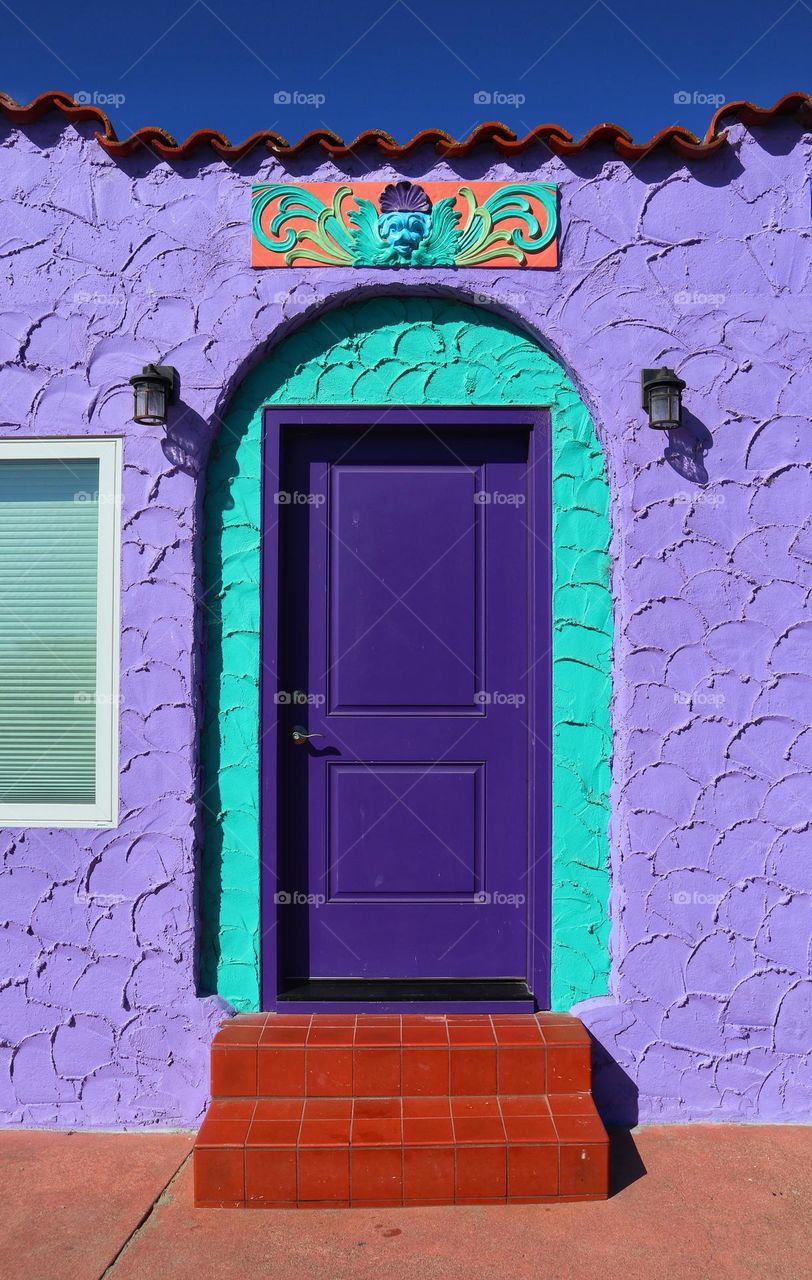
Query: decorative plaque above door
{"points": [[404, 224]]}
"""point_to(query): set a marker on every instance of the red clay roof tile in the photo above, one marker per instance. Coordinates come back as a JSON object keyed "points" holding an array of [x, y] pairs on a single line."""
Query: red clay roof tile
{"points": [[492, 135]]}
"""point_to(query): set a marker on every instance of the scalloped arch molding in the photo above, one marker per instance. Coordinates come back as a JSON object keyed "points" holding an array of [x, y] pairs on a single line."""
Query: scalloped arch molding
{"points": [[408, 351]]}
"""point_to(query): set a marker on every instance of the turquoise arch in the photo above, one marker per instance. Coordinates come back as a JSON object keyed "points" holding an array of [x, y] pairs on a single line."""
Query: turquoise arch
{"points": [[408, 351]]}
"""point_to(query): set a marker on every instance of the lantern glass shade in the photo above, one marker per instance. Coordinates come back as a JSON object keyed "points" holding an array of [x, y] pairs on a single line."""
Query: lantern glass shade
{"points": [[153, 389], [150, 401], [664, 407]]}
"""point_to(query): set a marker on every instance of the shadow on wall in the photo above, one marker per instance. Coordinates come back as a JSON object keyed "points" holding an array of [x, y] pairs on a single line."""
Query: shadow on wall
{"points": [[615, 1093], [616, 1097], [186, 444], [686, 449], [210, 598]]}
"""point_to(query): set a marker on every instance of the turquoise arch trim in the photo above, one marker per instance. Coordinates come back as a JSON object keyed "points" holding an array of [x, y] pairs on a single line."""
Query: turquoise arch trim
{"points": [[408, 351]]}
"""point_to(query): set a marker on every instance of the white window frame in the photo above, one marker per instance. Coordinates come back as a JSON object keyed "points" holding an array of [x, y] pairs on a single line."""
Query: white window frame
{"points": [[104, 813]]}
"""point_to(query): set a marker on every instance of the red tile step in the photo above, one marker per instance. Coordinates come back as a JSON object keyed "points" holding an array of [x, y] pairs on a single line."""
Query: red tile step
{"points": [[341, 1110]]}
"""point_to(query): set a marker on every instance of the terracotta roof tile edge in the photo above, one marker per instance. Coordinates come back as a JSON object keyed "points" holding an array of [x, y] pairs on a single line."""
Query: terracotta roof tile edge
{"points": [[492, 134]]}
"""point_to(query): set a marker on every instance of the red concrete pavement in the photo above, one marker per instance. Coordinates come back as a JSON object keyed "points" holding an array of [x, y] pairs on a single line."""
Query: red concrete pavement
{"points": [[68, 1201], [696, 1201]]}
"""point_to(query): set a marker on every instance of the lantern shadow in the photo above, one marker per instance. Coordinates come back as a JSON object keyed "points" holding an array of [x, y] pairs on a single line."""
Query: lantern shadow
{"points": [[687, 447], [187, 439]]}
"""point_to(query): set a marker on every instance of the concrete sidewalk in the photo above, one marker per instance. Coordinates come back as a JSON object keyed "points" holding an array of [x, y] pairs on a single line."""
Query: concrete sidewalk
{"points": [[689, 1201]]}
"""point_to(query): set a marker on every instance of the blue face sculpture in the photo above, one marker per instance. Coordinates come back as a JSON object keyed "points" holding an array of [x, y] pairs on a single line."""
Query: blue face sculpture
{"points": [[403, 230]]}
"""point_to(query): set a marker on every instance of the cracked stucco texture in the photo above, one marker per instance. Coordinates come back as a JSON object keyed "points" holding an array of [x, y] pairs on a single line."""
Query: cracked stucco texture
{"points": [[410, 351], [105, 265]]}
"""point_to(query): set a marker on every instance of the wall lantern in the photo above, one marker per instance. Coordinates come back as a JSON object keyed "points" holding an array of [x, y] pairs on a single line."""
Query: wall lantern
{"points": [[153, 389], [662, 398]]}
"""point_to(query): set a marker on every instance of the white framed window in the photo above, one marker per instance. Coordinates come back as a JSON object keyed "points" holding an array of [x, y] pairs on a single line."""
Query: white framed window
{"points": [[59, 632]]}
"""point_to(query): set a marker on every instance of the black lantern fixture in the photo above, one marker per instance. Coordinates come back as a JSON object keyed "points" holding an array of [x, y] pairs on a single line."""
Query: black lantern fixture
{"points": [[662, 398], [154, 388]]}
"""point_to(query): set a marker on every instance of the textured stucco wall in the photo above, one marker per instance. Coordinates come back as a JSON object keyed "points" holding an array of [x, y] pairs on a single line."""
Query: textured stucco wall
{"points": [[105, 265], [410, 351]]}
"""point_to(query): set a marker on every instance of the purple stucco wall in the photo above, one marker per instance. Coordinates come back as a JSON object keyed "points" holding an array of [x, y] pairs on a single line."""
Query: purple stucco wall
{"points": [[105, 265]]}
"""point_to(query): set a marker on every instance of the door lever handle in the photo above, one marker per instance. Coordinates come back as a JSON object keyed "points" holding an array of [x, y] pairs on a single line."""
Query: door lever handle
{"points": [[300, 734]]}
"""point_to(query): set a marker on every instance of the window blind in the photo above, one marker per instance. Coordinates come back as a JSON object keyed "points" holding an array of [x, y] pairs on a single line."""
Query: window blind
{"points": [[49, 634]]}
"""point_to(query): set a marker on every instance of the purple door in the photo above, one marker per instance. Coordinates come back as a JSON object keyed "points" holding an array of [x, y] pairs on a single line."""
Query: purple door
{"points": [[405, 620]]}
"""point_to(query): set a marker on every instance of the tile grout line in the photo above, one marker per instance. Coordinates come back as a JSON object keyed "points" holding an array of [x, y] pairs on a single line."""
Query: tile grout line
{"points": [[142, 1222]]}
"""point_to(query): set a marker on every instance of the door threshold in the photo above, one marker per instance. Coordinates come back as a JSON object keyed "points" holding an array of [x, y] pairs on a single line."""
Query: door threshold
{"points": [[397, 995]]}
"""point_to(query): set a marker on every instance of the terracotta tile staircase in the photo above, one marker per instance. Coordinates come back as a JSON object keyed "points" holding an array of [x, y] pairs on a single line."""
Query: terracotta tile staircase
{"points": [[347, 1110]]}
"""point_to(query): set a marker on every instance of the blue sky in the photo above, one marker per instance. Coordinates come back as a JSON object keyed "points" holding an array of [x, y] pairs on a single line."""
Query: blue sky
{"points": [[403, 65]]}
